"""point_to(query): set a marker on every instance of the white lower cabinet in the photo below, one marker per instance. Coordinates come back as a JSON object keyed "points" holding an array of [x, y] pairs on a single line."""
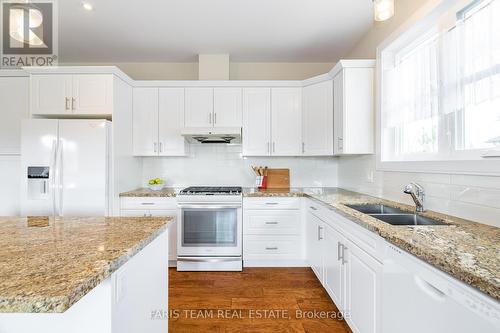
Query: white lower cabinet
{"points": [[272, 232], [314, 243], [363, 281], [158, 206], [351, 276], [334, 269]]}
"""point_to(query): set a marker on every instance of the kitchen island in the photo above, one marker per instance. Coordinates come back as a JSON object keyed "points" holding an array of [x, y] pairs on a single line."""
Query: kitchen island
{"points": [[83, 274]]}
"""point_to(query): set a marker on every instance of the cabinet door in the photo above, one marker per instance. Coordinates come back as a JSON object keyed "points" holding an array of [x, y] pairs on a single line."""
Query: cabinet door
{"points": [[334, 270], [363, 290], [145, 124], [286, 121], [51, 94], [256, 121], [92, 94], [314, 252], [227, 107], [317, 119], [171, 122], [199, 107], [358, 121], [172, 231], [338, 113]]}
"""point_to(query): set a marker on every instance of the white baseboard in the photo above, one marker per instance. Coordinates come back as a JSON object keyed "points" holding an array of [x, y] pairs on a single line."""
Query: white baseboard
{"points": [[172, 263]]}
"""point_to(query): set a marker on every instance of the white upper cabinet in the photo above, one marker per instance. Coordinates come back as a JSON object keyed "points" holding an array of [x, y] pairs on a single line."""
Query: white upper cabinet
{"points": [[317, 119], [67, 94], [170, 122], [227, 107], [256, 136], [51, 94], [199, 108], [92, 94], [145, 125], [158, 120], [286, 128], [353, 108], [272, 121]]}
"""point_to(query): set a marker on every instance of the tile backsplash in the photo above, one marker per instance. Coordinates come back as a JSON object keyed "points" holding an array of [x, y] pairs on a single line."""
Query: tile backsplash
{"points": [[216, 164], [472, 197]]}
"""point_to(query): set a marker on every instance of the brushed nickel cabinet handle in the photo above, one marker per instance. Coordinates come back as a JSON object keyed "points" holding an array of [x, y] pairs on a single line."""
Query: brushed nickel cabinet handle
{"points": [[73, 100], [66, 104], [339, 246], [272, 248], [343, 254], [272, 222]]}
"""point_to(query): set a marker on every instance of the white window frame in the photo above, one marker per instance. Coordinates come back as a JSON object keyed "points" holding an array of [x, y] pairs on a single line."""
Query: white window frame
{"points": [[415, 26]]}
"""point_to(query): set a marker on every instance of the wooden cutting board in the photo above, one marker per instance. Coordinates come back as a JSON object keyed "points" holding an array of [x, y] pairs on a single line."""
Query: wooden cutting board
{"points": [[278, 178]]}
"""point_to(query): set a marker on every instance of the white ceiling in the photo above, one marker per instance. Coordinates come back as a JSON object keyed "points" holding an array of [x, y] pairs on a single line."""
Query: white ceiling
{"points": [[178, 30]]}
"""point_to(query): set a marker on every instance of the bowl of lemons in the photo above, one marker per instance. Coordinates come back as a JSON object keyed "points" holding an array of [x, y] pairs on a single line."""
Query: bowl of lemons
{"points": [[156, 184]]}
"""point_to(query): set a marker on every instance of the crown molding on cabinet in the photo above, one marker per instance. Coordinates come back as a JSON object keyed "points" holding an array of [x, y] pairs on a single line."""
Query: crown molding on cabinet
{"points": [[13, 73], [190, 83]]}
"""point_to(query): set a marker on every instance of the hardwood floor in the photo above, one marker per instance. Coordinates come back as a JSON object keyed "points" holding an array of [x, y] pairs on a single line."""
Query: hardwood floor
{"points": [[255, 300]]}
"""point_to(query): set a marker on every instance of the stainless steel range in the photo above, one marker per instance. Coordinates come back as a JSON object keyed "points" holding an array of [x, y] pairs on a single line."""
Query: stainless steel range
{"points": [[210, 229]]}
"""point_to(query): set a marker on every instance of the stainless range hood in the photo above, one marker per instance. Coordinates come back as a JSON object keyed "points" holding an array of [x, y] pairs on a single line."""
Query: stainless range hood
{"points": [[224, 135]]}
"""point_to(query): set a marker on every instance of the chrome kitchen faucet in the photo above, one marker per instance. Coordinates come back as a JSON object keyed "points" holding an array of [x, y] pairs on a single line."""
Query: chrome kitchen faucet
{"points": [[417, 193]]}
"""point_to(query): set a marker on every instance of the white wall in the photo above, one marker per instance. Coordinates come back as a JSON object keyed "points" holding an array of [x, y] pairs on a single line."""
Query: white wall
{"points": [[214, 164]]}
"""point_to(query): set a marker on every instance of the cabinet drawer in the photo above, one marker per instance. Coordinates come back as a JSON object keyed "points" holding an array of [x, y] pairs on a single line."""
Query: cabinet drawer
{"points": [[271, 247], [271, 203], [148, 203], [270, 222]]}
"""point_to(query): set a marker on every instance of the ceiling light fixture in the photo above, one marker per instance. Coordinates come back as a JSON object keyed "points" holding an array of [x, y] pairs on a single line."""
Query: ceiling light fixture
{"points": [[87, 6], [383, 9]]}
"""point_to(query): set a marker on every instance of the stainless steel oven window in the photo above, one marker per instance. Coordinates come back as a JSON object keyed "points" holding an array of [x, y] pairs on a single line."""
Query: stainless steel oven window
{"points": [[209, 227]]}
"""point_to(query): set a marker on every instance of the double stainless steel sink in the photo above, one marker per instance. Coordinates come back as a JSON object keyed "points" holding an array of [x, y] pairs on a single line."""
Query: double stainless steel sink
{"points": [[393, 215]]}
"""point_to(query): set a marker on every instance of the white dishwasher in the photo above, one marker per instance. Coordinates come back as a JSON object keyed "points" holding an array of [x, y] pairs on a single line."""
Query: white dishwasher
{"points": [[419, 298]]}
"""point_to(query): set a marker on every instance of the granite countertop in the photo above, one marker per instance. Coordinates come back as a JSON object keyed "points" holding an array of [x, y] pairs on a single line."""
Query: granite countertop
{"points": [[146, 192], [48, 264], [466, 250]]}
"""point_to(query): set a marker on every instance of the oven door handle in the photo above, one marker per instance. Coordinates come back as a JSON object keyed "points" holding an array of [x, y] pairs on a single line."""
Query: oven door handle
{"points": [[208, 206], [222, 259]]}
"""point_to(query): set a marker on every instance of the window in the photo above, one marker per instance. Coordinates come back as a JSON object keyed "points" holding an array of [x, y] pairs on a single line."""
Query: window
{"points": [[440, 94]]}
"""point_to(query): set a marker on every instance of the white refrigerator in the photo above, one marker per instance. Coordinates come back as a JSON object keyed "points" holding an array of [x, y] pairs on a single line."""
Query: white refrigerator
{"points": [[65, 167]]}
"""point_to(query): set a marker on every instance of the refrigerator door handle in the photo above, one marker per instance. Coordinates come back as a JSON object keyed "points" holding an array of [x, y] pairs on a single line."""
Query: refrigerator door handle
{"points": [[61, 187], [52, 175], [58, 180]]}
